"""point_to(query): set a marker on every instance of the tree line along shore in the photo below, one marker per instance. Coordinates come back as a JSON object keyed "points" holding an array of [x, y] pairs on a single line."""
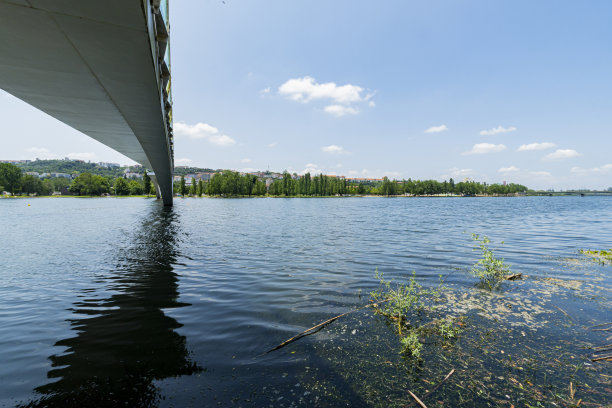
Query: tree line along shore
{"points": [[15, 182]]}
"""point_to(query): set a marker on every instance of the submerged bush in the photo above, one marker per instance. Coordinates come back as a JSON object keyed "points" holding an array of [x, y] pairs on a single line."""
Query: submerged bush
{"points": [[397, 302], [411, 344], [489, 269]]}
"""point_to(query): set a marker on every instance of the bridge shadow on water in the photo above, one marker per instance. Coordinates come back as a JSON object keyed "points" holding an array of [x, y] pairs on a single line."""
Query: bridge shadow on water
{"points": [[124, 342]]}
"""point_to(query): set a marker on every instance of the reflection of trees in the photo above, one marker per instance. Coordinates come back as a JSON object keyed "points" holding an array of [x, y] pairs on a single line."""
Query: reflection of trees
{"points": [[125, 342]]}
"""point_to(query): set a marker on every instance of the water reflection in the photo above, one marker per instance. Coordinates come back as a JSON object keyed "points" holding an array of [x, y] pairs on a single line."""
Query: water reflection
{"points": [[125, 341]]}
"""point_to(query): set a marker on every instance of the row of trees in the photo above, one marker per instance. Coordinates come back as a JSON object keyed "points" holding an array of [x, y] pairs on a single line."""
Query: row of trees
{"points": [[307, 185], [230, 183], [15, 182], [92, 184], [233, 184], [434, 187]]}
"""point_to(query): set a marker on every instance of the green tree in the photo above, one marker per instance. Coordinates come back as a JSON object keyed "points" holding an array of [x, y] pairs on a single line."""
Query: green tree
{"points": [[200, 187], [121, 187], [183, 186], [135, 187], [89, 184], [10, 177], [146, 183], [33, 185], [193, 188]]}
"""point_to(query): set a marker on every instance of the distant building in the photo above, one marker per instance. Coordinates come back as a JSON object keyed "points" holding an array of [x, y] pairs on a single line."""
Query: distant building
{"points": [[108, 165], [32, 173], [15, 161], [55, 175], [133, 176]]}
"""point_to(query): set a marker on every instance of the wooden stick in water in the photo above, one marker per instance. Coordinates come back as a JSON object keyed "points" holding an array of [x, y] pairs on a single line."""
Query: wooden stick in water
{"points": [[313, 329], [439, 384], [608, 357], [417, 399], [599, 325], [565, 313]]}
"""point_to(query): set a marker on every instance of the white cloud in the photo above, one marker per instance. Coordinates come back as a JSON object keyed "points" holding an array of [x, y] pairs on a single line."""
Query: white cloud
{"points": [[511, 169], [265, 91], [497, 130], [371, 104], [182, 162], [562, 154], [334, 149], [482, 148], [81, 156], [41, 152], [340, 110], [245, 160], [457, 172], [436, 129], [221, 140], [339, 165], [343, 97], [606, 168], [540, 173], [311, 168], [203, 131], [306, 89], [536, 146], [273, 144]]}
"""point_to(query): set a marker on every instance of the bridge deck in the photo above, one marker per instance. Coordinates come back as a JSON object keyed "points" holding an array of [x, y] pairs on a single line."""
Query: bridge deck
{"points": [[92, 65]]}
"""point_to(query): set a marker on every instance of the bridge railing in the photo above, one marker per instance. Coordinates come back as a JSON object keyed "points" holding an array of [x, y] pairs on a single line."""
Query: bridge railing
{"points": [[161, 31]]}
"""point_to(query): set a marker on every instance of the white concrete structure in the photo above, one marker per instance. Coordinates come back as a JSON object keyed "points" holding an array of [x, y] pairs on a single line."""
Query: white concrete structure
{"points": [[102, 67]]}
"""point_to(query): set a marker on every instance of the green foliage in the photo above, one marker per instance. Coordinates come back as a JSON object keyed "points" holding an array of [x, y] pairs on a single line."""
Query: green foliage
{"points": [[489, 269], [400, 302], [447, 329], [135, 187], [193, 188], [183, 187], [411, 344], [75, 167], [89, 184], [121, 187], [602, 256], [396, 301], [33, 185], [146, 183], [306, 185], [200, 188], [10, 177], [231, 183]]}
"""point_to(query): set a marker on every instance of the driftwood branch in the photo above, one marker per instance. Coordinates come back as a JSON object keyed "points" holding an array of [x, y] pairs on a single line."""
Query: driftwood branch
{"points": [[319, 326], [417, 399], [439, 384], [608, 357], [600, 325], [565, 313]]}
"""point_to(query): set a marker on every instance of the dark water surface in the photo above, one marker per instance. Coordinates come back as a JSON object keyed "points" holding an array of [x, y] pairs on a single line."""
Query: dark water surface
{"points": [[120, 302]]}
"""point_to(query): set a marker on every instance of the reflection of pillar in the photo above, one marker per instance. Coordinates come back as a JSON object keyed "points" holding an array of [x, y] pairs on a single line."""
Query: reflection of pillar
{"points": [[123, 342], [156, 184]]}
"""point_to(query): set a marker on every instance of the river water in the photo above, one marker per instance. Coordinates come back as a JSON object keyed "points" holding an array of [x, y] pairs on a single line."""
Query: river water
{"points": [[121, 302]]}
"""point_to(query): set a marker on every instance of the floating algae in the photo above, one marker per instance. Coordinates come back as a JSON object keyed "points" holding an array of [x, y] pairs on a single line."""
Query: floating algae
{"points": [[601, 256], [525, 344]]}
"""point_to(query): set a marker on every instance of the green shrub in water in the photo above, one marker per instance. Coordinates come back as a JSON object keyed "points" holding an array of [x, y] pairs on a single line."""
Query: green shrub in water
{"points": [[396, 301], [489, 269], [411, 344]]}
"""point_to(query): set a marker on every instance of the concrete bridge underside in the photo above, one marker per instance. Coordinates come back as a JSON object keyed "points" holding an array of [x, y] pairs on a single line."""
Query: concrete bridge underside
{"points": [[96, 66]]}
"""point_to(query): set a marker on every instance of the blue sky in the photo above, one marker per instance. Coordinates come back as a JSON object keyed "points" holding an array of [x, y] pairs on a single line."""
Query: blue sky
{"points": [[491, 90]]}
